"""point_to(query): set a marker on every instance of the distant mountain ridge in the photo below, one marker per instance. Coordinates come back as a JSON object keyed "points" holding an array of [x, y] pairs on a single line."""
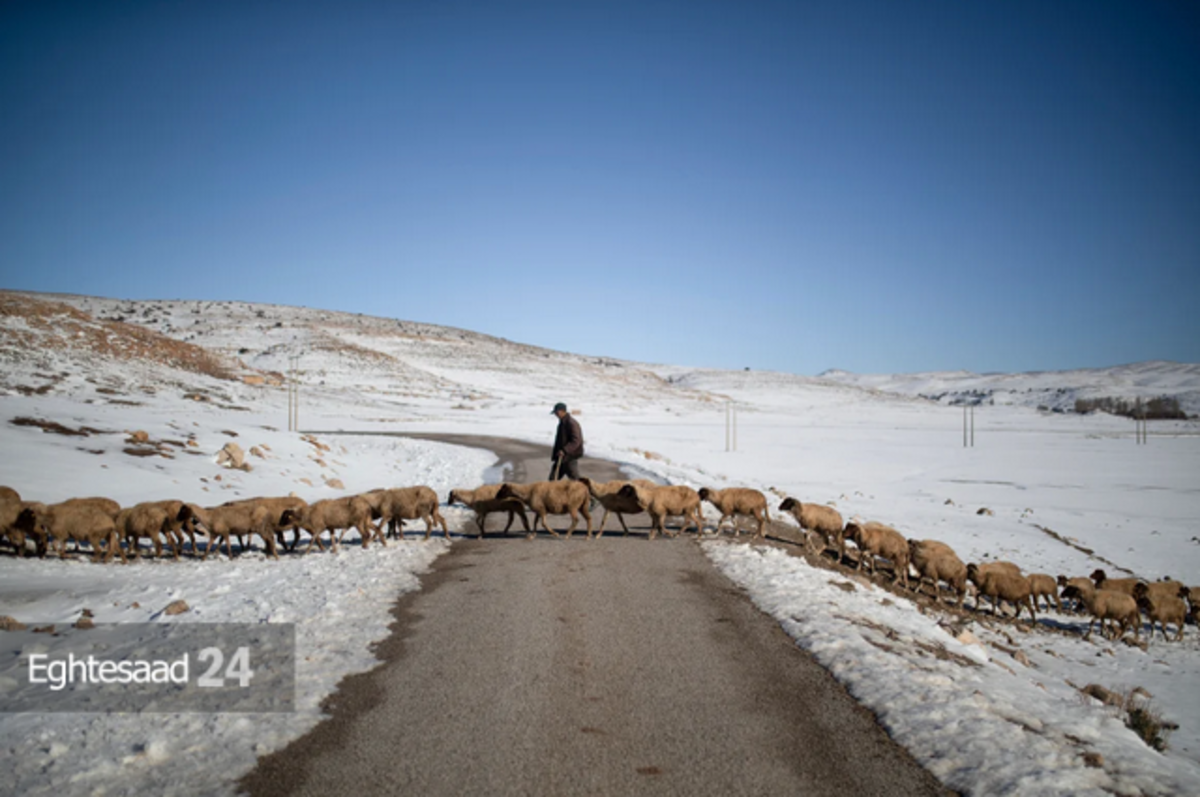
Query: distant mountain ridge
{"points": [[104, 349], [1051, 390]]}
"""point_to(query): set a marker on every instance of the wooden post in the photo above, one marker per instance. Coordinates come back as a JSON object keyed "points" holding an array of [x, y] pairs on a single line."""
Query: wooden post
{"points": [[964, 426], [735, 427], [972, 426]]}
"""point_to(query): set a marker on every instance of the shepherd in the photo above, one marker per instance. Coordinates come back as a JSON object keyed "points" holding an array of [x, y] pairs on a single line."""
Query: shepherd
{"points": [[568, 445]]}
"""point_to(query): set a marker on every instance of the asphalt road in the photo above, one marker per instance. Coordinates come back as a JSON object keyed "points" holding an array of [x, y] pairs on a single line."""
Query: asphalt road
{"points": [[565, 667]]}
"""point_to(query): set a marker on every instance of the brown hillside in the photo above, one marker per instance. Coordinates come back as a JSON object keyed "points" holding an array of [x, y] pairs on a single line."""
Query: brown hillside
{"points": [[29, 325]]}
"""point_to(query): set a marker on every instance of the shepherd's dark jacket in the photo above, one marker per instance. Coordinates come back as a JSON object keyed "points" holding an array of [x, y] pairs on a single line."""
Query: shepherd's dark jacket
{"points": [[569, 439]]}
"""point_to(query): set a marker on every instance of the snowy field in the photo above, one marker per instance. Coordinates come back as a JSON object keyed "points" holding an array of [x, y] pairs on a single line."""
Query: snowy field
{"points": [[1067, 493]]}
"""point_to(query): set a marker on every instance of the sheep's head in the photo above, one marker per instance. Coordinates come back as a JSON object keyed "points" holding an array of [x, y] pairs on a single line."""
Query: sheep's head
{"points": [[454, 497], [854, 532], [28, 519], [585, 481], [506, 491], [1062, 581], [1099, 576], [1140, 590], [788, 504], [1185, 592], [1070, 593], [1143, 602], [289, 516], [705, 494]]}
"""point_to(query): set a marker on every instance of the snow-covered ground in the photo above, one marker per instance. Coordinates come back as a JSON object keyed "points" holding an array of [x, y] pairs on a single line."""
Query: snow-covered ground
{"points": [[1068, 494]]}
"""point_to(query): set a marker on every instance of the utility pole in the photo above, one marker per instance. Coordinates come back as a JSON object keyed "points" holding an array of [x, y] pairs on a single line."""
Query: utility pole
{"points": [[968, 426], [730, 426], [293, 390]]}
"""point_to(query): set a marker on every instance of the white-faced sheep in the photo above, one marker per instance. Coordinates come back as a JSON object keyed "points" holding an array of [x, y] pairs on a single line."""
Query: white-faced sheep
{"points": [[877, 540], [411, 503], [1002, 585], [667, 500], [610, 497], [552, 498], [331, 514], [220, 522], [938, 562], [152, 520], [737, 502], [483, 501], [824, 520], [1162, 607], [81, 522], [1107, 604]]}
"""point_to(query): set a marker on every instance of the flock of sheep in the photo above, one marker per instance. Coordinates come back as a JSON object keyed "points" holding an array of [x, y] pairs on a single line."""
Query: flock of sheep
{"points": [[109, 530]]}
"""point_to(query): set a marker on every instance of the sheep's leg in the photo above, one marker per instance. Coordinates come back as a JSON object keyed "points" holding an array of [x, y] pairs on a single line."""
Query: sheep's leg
{"points": [[441, 521], [604, 519], [546, 524], [762, 525], [314, 538], [481, 519], [174, 547], [587, 515], [268, 538], [521, 514]]}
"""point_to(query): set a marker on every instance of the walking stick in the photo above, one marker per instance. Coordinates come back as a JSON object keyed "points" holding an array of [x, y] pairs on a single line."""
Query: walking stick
{"points": [[557, 465]]}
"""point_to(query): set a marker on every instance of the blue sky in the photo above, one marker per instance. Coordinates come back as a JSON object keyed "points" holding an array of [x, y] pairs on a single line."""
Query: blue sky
{"points": [[878, 187]]}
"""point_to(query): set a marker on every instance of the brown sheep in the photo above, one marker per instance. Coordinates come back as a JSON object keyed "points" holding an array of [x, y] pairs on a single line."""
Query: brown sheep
{"points": [[411, 503], [824, 520], [663, 501], [220, 522], [937, 561], [877, 540], [735, 502], [1166, 588], [105, 505], [10, 507], [610, 497], [80, 521], [1126, 585], [153, 520], [1044, 586], [276, 506], [554, 498], [1161, 607], [1080, 583], [483, 501], [331, 514], [1107, 604], [1002, 585]]}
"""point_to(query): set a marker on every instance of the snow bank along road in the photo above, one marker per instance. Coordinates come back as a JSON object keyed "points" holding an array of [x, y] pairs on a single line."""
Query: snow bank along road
{"points": [[568, 667]]}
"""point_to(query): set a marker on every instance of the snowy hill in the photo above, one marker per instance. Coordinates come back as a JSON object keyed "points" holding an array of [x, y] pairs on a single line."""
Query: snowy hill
{"points": [[1054, 390], [1065, 493]]}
